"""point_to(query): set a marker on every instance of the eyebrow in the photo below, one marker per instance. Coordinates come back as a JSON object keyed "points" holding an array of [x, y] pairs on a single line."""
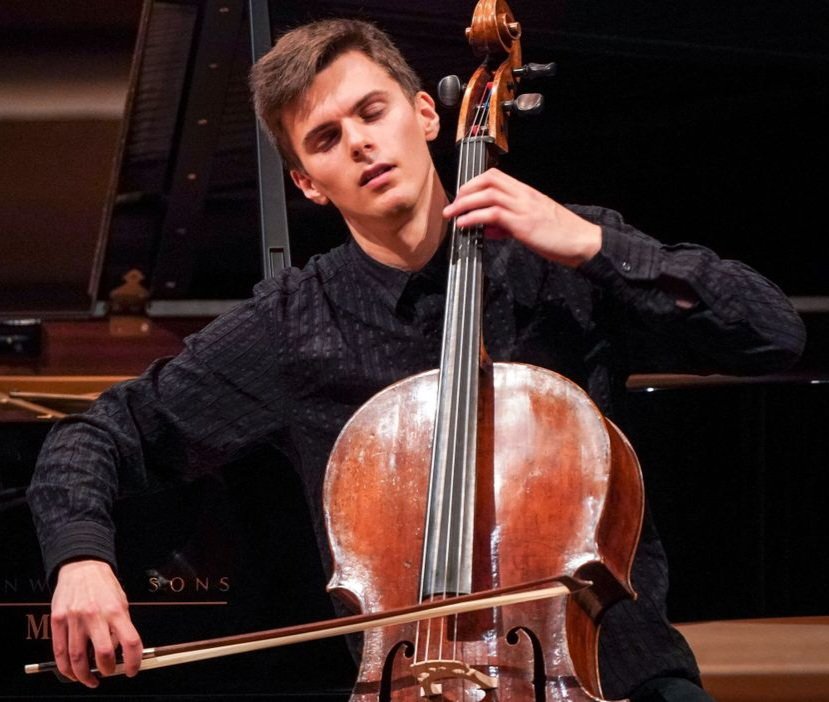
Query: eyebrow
{"points": [[356, 107]]}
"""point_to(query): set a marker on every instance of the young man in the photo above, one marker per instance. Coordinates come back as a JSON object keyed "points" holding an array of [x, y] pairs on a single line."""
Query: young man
{"points": [[573, 289]]}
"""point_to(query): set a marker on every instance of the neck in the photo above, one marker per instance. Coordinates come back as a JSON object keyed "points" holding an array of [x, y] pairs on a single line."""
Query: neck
{"points": [[409, 239]]}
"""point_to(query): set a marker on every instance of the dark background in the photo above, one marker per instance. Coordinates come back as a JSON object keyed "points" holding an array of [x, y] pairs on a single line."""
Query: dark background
{"points": [[699, 121]]}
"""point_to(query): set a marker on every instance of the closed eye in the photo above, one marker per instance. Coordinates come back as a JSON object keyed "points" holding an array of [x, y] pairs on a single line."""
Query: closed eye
{"points": [[372, 112], [325, 140]]}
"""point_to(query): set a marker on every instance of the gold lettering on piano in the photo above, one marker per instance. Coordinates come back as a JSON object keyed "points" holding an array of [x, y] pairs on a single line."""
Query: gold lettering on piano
{"points": [[191, 584], [37, 627], [39, 585], [12, 585]]}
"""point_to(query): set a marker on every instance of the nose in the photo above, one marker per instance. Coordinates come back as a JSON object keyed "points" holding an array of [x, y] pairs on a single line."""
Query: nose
{"points": [[358, 139]]}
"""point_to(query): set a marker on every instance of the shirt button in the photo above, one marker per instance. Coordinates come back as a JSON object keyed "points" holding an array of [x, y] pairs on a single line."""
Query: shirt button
{"points": [[626, 266]]}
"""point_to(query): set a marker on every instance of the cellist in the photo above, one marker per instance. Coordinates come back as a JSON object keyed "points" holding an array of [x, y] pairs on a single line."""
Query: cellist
{"points": [[570, 288]]}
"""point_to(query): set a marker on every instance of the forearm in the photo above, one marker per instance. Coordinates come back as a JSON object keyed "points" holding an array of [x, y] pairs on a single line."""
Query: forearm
{"points": [[180, 419], [84, 463]]}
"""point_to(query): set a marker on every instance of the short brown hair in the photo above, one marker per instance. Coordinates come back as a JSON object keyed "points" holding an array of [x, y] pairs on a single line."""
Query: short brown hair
{"points": [[282, 76]]}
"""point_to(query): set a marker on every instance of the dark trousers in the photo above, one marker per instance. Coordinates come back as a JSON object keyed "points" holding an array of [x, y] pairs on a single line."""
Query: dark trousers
{"points": [[670, 690]]}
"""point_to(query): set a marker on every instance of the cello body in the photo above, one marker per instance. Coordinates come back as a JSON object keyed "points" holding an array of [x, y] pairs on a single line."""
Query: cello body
{"points": [[479, 476], [559, 492]]}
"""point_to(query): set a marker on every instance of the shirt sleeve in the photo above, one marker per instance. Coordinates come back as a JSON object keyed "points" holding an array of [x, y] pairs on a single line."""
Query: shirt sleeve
{"points": [[181, 418], [685, 309]]}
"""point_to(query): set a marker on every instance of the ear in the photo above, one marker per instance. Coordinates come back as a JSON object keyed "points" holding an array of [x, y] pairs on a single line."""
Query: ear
{"points": [[303, 181], [427, 114]]}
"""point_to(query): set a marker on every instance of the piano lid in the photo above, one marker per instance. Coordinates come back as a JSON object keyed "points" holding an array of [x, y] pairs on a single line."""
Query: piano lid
{"points": [[63, 74], [184, 206], [151, 168], [135, 154]]}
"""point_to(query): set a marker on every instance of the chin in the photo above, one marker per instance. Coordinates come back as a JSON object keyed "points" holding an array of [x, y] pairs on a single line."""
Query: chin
{"points": [[396, 204]]}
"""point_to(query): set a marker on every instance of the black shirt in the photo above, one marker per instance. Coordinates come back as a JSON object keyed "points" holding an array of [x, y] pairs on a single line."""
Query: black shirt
{"points": [[290, 366]]}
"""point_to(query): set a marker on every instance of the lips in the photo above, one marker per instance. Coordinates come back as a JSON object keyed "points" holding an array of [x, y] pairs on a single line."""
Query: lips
{"points": [[371, 173]]}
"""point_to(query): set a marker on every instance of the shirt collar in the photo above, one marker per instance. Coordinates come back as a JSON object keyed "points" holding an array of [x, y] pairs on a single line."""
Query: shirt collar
{"points": [[391, 283]]}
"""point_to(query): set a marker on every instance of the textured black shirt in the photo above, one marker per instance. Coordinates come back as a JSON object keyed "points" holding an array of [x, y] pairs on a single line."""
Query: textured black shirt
{"points": [[290, 366]]}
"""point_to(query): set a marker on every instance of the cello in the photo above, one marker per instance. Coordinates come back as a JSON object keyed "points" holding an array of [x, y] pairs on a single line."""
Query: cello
{"points": [[525, 481]]}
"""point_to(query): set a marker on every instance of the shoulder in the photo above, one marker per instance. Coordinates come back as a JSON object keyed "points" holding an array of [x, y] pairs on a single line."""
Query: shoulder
{"points": [[296, 288], [285, 304]]}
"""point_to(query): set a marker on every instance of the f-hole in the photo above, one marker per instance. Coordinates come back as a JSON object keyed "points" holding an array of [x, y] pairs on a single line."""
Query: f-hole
{"points": [[539, 672], [386, 678]]}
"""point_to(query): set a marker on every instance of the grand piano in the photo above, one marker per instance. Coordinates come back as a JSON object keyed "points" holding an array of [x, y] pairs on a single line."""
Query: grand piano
{"points": [[704, 126]]}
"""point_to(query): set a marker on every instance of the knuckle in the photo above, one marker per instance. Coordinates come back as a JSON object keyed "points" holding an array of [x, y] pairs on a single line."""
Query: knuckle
{"points": [[131, 642], [105, 653], [77, 657], [114, 609], [87, 612]]}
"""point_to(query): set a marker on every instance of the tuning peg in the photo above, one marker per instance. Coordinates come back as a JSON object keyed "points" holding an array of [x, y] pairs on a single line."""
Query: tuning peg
{"points": [[535, 70], [450, 90], [526, 104]]}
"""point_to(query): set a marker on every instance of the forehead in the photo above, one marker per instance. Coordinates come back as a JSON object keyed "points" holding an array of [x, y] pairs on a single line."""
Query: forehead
{"points": [[335, 91]]}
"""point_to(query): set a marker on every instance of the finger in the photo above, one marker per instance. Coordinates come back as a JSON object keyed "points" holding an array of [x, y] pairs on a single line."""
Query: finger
{"points": [[102, 644], [131, 646], [78, 656], [491, 178], [60, 645], [486, 216], [476, 200]]}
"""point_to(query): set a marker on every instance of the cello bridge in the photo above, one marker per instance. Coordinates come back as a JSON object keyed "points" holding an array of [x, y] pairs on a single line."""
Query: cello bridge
{"points": [[430, 673]]}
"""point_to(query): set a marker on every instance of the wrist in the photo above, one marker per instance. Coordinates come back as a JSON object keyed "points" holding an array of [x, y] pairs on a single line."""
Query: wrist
{"points": [[589, 243]]}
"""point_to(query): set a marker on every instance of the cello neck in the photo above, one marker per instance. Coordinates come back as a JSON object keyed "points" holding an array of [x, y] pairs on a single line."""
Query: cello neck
{"points": [[447, 553], [450, 518]]}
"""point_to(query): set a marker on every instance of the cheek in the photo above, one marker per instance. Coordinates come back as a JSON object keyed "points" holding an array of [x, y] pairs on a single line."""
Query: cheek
{"points": [[420, 150], [326, 178]]}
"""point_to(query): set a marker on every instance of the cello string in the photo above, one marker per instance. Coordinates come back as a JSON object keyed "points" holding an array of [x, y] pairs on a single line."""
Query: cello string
{"points": [[456, 424], [430, 566], [458, 309], [456, 371], [468, 348], [474, 346], [429, 559]]}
